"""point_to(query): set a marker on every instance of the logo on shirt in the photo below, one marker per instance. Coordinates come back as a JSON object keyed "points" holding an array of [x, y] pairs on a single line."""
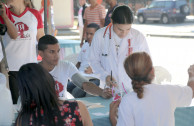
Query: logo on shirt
{"points": [[21, 29], [59, 88]]}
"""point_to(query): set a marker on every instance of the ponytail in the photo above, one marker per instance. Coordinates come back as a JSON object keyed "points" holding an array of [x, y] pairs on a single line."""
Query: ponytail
{"points": [[138, 88]]}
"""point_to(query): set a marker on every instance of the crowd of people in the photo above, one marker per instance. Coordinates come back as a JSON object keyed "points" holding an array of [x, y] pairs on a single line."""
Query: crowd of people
{"points": [[114, 56]]}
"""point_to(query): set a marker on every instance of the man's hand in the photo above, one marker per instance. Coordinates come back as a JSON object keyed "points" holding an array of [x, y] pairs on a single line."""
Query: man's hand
{"points": [[110, 82], [113, 112], [106, 93], [88, 70]]}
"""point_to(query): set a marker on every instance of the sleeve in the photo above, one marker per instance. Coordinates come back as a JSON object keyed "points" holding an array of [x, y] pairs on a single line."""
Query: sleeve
{"points": [[182, 96], [125, 115], [38, 17], [71, 69], [144, 45], [40, 22], [102, 12], [94, 58]]}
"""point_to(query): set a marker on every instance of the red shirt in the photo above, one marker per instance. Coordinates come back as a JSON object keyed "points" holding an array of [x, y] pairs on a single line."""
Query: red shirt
{"points": [[8, 15]]}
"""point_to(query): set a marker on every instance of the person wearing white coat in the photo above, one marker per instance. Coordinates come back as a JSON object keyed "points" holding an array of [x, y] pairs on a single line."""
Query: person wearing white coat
{"points": [[112, 44]]}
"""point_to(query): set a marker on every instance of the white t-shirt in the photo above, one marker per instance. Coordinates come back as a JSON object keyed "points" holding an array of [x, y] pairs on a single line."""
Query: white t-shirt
{"points": [[61, 73], [156, 108], [84, 56], [22, 50], [6, 105]]}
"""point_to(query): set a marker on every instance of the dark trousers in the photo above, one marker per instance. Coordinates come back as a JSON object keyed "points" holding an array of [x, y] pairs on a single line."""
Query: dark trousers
{"points": [[13, 85], [77, 92]]}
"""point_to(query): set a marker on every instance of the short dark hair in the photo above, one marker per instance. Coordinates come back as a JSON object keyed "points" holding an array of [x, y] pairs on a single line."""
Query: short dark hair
{"points": [[46, 40], [122, 15], [94, 25]]}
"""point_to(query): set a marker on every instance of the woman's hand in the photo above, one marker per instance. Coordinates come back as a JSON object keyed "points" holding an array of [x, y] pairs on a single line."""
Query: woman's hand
{"points": [[2, 10], [113, 112]]}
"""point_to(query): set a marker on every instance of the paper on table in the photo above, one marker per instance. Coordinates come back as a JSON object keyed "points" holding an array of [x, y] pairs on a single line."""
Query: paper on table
{"points": [[100, 114], [91, 105]]}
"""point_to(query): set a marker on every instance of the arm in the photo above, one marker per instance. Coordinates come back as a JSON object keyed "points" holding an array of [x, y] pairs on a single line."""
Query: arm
{"points": [[191, 78], [84, 114], [84, 30], [102, 21], [89, 87], [11, 29], [113, 112], [78, 65], [97, 91], [95, 55], [40, 33]]}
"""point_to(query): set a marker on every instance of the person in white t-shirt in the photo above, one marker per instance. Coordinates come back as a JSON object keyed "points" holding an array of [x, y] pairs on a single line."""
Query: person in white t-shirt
{"points": [[6, 105], [83, 62], [22, 50], [149, 104], [48, 49]]}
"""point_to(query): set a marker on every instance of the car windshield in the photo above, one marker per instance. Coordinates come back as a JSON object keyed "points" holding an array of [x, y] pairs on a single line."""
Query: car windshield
{"points": [[180, 3], [161, 4]]}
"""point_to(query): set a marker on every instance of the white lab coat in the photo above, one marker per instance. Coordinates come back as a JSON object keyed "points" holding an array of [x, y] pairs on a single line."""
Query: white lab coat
{"points": [[103, 65]]}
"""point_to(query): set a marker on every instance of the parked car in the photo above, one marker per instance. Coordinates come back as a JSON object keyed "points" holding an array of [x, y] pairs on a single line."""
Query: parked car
{"points": [[164, 11]]}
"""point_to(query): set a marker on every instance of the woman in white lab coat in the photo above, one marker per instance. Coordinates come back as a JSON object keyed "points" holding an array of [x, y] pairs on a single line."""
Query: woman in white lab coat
{"points": [[112, 44]]}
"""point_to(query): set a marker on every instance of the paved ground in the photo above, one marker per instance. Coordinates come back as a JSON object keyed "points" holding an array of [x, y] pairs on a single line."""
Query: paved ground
{"points": [[183, 30]]}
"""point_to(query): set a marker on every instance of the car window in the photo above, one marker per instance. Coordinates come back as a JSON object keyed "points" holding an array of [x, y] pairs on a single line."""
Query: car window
{"points": [[157, 4], [168, 4], [160, 4], [153, 4], [180, 3]]}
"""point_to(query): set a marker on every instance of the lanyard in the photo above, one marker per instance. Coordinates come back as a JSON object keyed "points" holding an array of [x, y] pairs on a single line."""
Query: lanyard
{"points": [[108, 27]]}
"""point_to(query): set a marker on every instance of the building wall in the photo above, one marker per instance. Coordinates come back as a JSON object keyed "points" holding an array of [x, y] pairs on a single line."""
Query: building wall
{"points": [[63, 12]]}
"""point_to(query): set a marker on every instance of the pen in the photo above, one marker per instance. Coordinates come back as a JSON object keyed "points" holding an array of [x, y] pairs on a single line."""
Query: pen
{"points": [[111, 75]]}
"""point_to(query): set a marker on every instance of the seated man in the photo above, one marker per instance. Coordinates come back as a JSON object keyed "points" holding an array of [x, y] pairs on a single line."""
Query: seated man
{"points": [[48, 49], [83, 62]]}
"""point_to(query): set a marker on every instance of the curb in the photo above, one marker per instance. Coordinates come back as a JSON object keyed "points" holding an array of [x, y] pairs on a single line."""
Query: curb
{"points": [[170, 35]]}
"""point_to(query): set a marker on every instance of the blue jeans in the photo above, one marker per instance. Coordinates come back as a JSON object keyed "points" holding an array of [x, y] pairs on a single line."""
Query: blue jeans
{"points": [[76, 91]]}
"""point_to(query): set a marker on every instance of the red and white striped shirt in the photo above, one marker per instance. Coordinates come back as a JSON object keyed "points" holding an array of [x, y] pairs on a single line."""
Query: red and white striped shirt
{"points": [[94, 15]]}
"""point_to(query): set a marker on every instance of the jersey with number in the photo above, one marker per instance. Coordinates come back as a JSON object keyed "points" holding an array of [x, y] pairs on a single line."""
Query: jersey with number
{"points": [[22, 50]]}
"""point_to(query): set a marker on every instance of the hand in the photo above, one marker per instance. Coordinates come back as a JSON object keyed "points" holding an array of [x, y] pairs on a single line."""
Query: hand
{"points": [[106, 93], [191, 71], [2, 10], [81, 44], [113, 112], [88, 70], [110, 82]]}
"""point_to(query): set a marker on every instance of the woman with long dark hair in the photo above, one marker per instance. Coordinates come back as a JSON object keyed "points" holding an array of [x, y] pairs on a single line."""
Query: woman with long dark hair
{"points": [[39, 101]]}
